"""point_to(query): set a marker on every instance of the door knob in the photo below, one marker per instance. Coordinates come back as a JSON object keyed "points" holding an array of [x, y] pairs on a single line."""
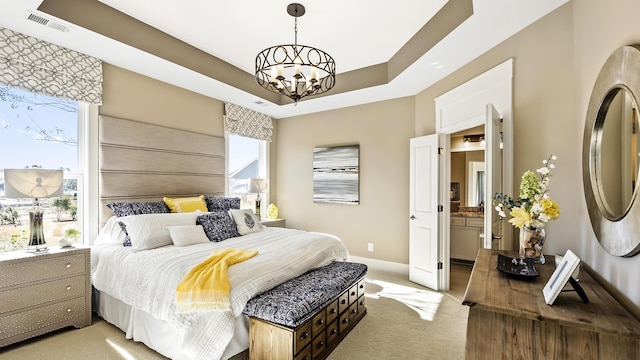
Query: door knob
{"points": [[413, 217]]}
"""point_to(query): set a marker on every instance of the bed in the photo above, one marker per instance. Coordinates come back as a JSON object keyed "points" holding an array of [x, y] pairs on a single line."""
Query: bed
{"points": [[135, 289]]}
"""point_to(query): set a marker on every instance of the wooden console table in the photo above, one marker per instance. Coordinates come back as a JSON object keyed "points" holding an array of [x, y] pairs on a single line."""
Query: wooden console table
{"points": [[509, 319]]}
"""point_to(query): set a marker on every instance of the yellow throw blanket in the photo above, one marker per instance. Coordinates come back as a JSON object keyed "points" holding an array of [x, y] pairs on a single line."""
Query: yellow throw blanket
{"points": [[206, 286]]}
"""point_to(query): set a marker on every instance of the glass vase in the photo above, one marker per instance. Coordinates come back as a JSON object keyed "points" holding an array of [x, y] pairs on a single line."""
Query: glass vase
{"points": [[531, 242]]}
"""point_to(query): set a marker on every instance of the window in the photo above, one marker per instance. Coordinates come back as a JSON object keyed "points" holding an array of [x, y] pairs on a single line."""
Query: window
{"points": [[46, 132], [247, 159]]}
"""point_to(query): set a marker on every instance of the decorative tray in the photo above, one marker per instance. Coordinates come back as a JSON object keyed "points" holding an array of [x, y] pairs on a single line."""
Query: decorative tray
{"points": [[519, 267]]}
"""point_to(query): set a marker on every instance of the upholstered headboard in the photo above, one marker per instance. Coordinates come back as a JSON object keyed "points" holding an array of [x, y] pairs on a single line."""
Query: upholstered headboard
{"points": [[144, 162]]}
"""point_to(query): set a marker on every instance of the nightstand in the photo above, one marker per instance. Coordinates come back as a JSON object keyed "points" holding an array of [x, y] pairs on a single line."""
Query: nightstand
{"points": [[273, 223], [43, 291]]}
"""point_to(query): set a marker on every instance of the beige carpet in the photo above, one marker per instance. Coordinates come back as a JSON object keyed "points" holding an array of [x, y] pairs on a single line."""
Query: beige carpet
{"points": [[403, 321]]}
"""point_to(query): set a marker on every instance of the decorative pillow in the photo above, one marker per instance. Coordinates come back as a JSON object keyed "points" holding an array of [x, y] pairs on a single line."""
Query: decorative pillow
{"points": [[110, 232], [218, 226], [185, 235], [123, 229], [149, 231], [246, 221], [188, 204], [138, 208], [215, 203]]}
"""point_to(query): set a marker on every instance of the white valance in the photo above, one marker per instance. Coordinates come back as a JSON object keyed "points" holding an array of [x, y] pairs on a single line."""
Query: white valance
{"points": [[45, 68], [246, 122]]}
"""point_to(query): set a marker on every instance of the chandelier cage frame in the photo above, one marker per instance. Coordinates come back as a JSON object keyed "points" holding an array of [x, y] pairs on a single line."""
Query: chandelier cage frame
{"points": [[294, 70]]}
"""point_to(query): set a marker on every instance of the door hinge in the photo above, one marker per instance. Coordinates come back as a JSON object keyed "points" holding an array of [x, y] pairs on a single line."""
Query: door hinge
{"points": [[439, 265], [440, 208], [440, 151]]}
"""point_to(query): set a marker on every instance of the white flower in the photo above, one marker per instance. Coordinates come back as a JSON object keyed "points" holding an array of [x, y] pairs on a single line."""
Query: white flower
{"points": [[553, 157], [543, 170]]}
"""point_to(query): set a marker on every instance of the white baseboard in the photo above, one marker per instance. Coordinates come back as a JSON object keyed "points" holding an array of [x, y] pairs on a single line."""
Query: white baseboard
{"points": [[382, 265]]}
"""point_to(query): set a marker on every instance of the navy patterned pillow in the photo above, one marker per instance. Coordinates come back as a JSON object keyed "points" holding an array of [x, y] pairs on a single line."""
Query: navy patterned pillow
{"points": [[218, 225], [137, 208], [215, 203], [127, 239], [121, 209], [152, 207]]}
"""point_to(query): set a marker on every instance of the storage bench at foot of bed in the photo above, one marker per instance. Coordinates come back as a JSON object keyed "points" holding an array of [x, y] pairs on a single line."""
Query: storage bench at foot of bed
{"points": [[320, 330]]}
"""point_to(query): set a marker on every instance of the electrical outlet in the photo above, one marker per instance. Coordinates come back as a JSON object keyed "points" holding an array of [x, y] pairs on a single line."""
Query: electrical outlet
{"points": [[370, 246]]}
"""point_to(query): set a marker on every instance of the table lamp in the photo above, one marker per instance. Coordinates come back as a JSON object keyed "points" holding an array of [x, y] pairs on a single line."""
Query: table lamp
{"points": [[34, 184], [258, 186]]}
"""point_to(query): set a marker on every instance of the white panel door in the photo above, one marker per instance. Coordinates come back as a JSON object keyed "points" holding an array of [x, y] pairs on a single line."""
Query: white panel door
{"points": [[493, 174], [423, 214]]}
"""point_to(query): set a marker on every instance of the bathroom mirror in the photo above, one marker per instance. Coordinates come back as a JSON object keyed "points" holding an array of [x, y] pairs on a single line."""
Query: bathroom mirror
{"points": [[611, 154]]}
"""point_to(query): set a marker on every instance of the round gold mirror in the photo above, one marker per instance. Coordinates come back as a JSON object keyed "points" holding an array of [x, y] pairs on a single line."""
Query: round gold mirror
{"points": [[611, 153]]}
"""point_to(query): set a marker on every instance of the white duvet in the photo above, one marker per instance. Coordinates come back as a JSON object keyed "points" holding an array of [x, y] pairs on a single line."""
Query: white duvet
{"points": [[147, 279]]}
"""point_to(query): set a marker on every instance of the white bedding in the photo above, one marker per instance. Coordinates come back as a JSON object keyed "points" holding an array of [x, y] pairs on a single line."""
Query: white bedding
{"points": [[147, 279]]}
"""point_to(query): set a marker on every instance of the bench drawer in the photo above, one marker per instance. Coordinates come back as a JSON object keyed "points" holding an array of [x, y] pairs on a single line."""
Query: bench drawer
{"points": [[305, 354], [317, 323], [302, 336], [318, 345], [361, 287], [361, 305], [332, 333], [343, 302], [353, 294], [332, 311]]}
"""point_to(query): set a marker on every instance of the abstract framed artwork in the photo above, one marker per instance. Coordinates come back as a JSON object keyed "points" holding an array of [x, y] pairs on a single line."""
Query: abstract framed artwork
{"points": [[336, 174]]}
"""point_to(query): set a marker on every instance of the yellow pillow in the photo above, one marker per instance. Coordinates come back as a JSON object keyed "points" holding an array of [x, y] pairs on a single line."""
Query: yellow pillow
{"points": [[189, 204]]}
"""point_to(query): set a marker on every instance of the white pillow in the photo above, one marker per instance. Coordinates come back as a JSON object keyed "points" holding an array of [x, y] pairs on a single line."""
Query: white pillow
{"points": [[185, 235], [149, 231], [246, 221], [111, 232]]}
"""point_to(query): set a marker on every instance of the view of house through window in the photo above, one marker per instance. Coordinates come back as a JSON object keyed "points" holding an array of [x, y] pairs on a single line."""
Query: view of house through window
{"points": [[38, 131], [247, 160]]}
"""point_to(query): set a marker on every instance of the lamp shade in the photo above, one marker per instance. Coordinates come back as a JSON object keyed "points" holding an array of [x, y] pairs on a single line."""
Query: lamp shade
{"points": [[259, 186], [32, 183]]}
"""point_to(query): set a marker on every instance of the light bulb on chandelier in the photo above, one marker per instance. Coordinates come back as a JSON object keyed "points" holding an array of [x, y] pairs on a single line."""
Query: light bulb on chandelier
{"points": [[295, 71]]}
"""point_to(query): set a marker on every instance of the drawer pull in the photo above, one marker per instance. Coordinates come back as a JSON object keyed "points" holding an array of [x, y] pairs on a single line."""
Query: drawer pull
{"points": [[68, 265], [353, 293], [319, 322], [354, 311], [343, 301], [345, 320], [333, 332], [69, 310], [362, 286], [332, 311], [68, 287], [304, 335], [320, 344], [361, 302], [305, 358]]}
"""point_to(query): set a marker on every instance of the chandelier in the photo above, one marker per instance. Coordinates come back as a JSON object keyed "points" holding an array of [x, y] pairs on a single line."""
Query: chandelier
{"points": [[295, 71]]}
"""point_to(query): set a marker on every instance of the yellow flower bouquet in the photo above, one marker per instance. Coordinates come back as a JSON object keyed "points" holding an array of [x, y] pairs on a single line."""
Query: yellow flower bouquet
{"points": [[531, 210], [534, 207]]}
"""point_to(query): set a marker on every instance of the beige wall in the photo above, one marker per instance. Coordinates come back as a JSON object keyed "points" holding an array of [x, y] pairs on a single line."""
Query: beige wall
{"points": [[383, 131], [132, 96]]}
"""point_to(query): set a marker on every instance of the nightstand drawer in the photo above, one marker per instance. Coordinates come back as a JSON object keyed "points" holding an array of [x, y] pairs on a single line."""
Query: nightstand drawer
{"points": [[68, 311], [20, 298], [41, 268]]}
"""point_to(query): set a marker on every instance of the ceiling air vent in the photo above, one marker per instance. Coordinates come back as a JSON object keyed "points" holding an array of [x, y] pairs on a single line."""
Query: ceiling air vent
{"points": [[46, 22]]}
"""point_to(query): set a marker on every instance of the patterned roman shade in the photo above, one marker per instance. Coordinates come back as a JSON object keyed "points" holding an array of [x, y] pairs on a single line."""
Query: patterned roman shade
{"points": [[45, 68], [246, 122]]}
